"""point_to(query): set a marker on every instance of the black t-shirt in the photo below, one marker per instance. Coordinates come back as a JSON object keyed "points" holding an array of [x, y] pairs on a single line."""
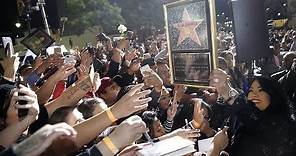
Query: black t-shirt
{"points": [[4, 81]]}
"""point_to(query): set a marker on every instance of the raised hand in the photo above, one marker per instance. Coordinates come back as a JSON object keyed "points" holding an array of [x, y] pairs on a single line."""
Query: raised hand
{"points": [[198, 116], [128, 132], [123, 44], [43, 138], [30, 97], [64, 71], [129, 56], [172, 110], [10, 65], [133, 101], [179, 91], [96, 81], [84, 67], [53, 60], [86, 58], [152, 79]]}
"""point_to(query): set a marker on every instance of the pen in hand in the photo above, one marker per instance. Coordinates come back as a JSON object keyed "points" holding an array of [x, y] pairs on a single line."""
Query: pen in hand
{"points": [[148, 138]]}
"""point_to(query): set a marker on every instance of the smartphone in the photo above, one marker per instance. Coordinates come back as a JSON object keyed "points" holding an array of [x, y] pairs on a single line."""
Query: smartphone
{"points": [[21, 112], [57, 50], [69, 59], [117, 38], [145, 69], [6, 47]]}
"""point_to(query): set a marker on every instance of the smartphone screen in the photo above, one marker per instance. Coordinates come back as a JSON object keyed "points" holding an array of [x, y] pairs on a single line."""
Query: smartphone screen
{"points": [[144, 69]]}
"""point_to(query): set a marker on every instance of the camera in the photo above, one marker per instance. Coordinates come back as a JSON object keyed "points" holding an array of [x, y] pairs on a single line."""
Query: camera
{"points": [[130, 35], [91, 49], [101, 37], [69, 59]]}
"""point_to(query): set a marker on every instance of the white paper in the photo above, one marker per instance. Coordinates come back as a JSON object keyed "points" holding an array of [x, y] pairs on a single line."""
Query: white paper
{"points": [[204, 145], [174, 146]]}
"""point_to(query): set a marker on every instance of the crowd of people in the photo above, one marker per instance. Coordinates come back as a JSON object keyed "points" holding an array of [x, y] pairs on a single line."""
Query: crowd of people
{"points": [[98, 101]]}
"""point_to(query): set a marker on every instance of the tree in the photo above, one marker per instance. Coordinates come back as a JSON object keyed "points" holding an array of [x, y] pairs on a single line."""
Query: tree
{"points": [[142, 14], [84, 14]]}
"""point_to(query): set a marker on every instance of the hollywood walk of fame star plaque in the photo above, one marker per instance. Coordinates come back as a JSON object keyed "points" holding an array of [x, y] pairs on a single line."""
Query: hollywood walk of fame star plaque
{"points": [[191, 33]]}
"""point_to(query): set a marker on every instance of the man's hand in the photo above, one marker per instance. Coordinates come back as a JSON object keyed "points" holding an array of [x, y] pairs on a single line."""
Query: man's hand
{"points": [[43, 138], [133, 101], [128, 132]]}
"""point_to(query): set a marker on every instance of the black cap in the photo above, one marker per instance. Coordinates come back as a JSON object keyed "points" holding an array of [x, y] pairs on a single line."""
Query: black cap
{"points": [[118, 80], [149, 61]]}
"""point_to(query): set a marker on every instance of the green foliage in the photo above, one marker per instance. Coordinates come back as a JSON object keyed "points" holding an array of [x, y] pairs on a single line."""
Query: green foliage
{"points": [[142, 13], [84, 14]]}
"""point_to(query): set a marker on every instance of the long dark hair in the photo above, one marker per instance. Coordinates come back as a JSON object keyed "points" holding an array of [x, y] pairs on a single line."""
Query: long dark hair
{"points": [[279, 103]]}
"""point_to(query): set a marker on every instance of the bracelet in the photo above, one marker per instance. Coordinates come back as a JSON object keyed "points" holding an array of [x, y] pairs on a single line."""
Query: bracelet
{"points": [[110, 115], [110, 145]]}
